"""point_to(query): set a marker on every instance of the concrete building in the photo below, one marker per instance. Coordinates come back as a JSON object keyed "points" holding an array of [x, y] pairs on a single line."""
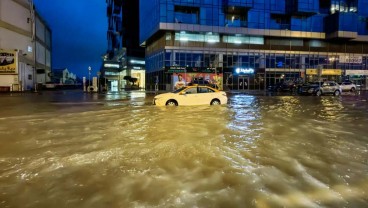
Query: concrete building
{"points": [[124, 57], [25, 46], [246, 44], [64, 77]]}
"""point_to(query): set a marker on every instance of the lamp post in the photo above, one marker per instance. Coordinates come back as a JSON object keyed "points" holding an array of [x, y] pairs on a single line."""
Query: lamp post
{"points": [[89, 77]]}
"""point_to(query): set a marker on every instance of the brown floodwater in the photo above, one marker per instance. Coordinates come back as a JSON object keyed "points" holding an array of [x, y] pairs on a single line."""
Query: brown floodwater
{"points": [[78, 150]]}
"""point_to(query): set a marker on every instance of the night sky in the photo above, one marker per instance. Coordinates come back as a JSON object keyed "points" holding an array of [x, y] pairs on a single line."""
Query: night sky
{"points": [[78, 33]]}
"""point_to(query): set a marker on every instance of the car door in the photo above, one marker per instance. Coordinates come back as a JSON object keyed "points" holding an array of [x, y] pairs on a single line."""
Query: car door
{"points": [[333, 87], [204, 96], [326, 87], [344, 86], [188, 97]]}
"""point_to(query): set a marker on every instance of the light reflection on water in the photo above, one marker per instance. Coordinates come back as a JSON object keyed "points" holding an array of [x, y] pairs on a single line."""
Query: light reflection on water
{"points": [[257, 151]]}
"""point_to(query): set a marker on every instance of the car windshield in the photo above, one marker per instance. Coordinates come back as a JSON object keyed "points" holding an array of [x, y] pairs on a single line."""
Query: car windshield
{"points": [[179, 90]]}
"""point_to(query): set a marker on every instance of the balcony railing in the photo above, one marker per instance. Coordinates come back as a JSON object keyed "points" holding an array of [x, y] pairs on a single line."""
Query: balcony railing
{"points": [[236, 23], [186, 18]]}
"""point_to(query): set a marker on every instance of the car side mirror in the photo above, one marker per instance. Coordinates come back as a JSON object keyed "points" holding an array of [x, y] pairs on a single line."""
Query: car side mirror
{"points": [[182, 93]]}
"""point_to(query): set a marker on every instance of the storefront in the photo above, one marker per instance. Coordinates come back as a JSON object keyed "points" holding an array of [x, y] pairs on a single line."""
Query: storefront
{"points": [[129, 75], [277, 75], [243, 78], [177, 77], [324, 74], [359, 77]]}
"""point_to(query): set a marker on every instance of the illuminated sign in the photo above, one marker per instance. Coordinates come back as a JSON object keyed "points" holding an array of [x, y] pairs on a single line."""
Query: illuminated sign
{"points": [[244, 70], [112, 66], [324, 71], [137, 62], [280, 64], [351, 59], [356, 72]]}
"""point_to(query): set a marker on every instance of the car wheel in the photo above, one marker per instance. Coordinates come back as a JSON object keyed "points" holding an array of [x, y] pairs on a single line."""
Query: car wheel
{"points": [[319, 93], [337, 93], [171, 103], [215, 102], [352, 89]]}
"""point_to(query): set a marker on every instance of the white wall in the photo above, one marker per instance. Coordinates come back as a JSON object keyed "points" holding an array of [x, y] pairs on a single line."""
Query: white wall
{"points": [[24, 72], [15, 14], [11, 40]]}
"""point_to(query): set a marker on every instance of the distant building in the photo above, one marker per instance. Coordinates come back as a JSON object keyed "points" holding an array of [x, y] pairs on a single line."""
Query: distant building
{"points": [[64, 77], [251, 44], [124, 56], [25, 46]]}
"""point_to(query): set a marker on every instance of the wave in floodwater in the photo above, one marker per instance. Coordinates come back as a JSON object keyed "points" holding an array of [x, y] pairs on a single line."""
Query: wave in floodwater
{"points": [[257, 151]]}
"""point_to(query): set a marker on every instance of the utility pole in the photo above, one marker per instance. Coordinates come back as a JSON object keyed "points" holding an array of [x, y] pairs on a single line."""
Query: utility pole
{"points": [[33, 32], [89, 78]]}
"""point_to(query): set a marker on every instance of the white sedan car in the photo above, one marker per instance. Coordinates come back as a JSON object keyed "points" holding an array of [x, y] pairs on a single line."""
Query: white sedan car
{"points": [[191, 95], [348, 86]]}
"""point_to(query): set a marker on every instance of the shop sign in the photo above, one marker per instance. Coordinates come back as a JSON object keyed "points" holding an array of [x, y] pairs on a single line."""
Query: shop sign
{"points": [[324, 71], [8, 62], [356, 72], [351, 59], [331, 71], [311, 71], [183, 69], [244, 70]]}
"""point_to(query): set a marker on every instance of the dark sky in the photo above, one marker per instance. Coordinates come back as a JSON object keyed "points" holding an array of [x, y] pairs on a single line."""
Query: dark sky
{"points": [[78, 33]]}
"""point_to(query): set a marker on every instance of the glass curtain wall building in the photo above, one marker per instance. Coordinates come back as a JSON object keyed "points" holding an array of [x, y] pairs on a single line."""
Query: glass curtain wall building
{"points": [[124, 58], [247, 44]]}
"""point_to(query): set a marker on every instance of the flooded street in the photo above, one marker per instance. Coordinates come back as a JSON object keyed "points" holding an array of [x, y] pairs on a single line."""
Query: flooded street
{"points": [[69, 149]]}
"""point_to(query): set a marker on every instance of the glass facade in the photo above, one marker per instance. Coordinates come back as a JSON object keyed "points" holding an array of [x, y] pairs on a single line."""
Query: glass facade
{"points": [[268, 39]]}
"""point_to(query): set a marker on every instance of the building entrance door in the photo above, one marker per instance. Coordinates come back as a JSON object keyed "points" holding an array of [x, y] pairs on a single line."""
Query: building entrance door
{"points": [[243, 83], [228, 79]]}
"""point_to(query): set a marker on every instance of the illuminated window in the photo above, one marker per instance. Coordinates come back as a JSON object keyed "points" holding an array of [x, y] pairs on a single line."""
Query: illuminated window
{"points": [[243, 40], [184, 36]]}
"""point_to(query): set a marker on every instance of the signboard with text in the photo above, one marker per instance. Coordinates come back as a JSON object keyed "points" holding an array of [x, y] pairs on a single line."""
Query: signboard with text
{"points": [[351, 59], [8, 62], [183, 69], [356, 72], [324, 71]]}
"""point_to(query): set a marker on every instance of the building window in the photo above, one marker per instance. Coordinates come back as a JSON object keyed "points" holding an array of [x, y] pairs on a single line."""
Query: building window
{"points": [[209, 37], [186, 14], [343, 6], [243, 40]]}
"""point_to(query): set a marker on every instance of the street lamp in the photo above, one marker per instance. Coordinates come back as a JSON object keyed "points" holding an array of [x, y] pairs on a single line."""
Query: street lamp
{"points": [[89, 77]]}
